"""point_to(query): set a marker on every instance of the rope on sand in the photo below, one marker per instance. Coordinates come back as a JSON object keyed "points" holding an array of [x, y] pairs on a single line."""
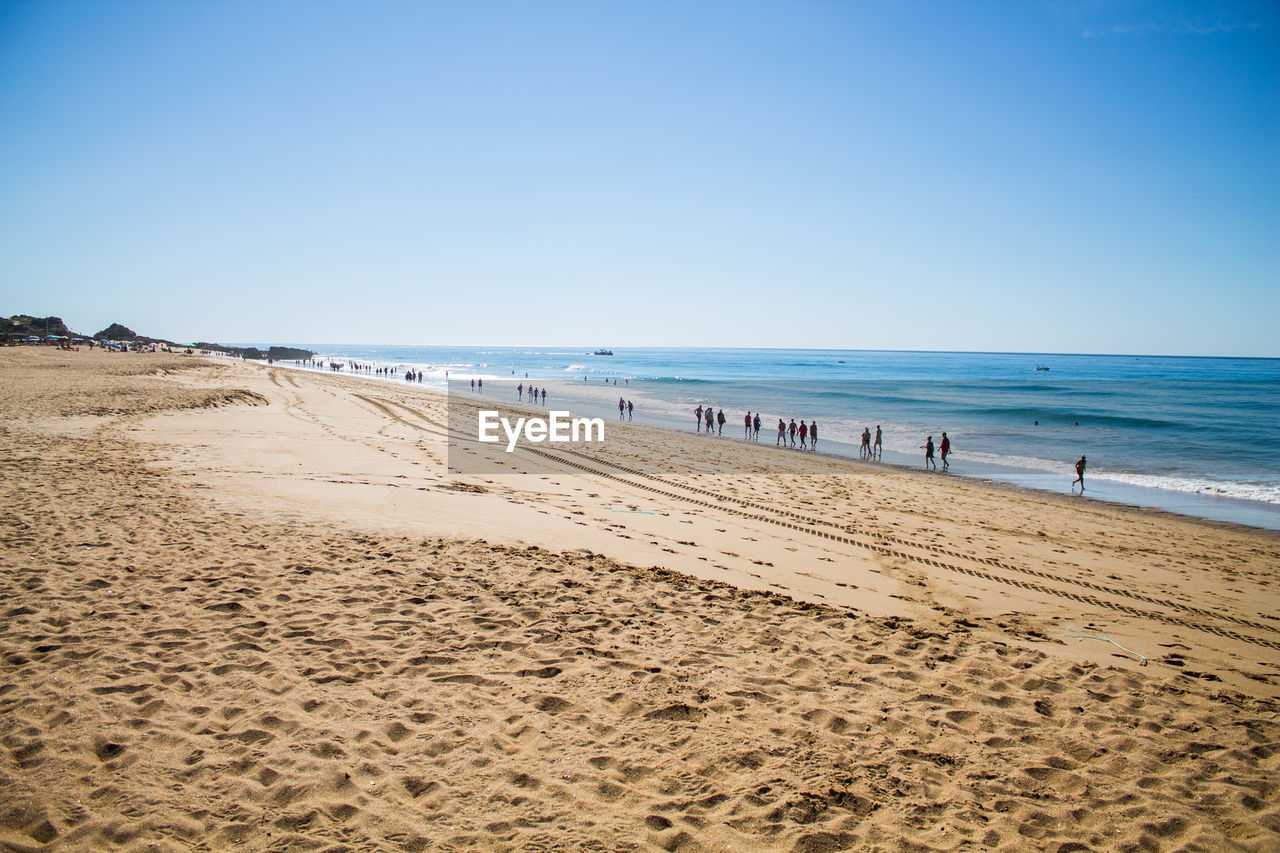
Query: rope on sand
{"points": [[1083, 636]]}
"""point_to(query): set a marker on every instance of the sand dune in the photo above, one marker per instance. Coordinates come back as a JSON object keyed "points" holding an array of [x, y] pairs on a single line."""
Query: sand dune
{"points": [[245, 607]]}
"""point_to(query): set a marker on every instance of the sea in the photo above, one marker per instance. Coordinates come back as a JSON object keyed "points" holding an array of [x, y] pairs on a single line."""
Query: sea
{"points": [[1185, 434]]}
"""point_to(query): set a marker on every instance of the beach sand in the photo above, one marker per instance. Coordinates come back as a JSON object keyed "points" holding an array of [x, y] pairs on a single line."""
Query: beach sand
{"points": [[248, 607]]}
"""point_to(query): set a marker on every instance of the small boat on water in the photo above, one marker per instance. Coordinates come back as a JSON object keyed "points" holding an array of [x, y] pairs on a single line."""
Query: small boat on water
{"points": [[1041, 367], [603, 352]]}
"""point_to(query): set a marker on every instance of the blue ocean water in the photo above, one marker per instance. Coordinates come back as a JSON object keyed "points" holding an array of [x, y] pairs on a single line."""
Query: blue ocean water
{"points": [[1189, 434]]}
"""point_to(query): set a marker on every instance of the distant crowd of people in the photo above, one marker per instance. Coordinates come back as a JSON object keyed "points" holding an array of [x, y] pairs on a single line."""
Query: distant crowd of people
{"points": [[380, 371], [712, 421]]}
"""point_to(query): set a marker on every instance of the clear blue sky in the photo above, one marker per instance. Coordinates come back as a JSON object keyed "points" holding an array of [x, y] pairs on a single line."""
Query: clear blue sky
{"points": [[1023, 176]]}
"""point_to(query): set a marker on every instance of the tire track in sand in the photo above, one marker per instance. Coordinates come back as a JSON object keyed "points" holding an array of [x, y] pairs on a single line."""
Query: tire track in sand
{"points": [[881, 543]]}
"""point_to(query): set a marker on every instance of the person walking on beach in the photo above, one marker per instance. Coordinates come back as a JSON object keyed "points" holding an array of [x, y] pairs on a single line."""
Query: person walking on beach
{"points": [[945, 449], [792, 429], [720, 419], [630, 409], [755, 432], [875, 452], [622, 407], [928, 454], [782, 434], [710, 415], [746, 427], [1079, 476], [697, 416], [520, 392], [813, 436], [804, 432], [864, 449], [544, 396]]}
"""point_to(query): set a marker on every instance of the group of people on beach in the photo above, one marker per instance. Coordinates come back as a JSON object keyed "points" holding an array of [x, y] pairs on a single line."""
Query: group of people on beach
{"points": [[790, 434], [714, 420], [944, 448], [535, 394], [807, 433], [357, 367], [870, 448], [868, 451], [708, 415], [382, 372]]}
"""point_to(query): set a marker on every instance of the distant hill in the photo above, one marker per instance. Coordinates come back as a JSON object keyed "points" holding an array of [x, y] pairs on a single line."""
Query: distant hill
{"points": [[24, 325], [119, 332], [116, 332]]}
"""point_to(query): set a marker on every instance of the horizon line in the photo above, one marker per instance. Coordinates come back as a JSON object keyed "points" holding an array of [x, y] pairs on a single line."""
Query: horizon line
{"points": [[768, 349]]}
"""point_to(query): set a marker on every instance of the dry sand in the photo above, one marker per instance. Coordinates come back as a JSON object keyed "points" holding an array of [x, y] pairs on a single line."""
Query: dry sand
{"points": [[248, 607]]}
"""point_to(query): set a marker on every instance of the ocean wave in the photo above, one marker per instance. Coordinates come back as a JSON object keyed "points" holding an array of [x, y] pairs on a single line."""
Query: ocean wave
{"points": [[1261, 492]]}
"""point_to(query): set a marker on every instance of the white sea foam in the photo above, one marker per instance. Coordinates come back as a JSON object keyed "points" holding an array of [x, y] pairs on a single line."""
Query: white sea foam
{"points": [[1263, 492]]}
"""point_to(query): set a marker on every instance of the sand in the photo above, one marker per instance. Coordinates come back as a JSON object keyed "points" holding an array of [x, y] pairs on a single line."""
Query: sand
{"points": [[248, 607]]}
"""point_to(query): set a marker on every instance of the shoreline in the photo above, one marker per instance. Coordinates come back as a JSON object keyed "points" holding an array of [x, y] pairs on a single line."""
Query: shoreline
{"points": [[1013, 487], [1011, 484], [1112, 487], [251, 607], [1256, 515]]}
